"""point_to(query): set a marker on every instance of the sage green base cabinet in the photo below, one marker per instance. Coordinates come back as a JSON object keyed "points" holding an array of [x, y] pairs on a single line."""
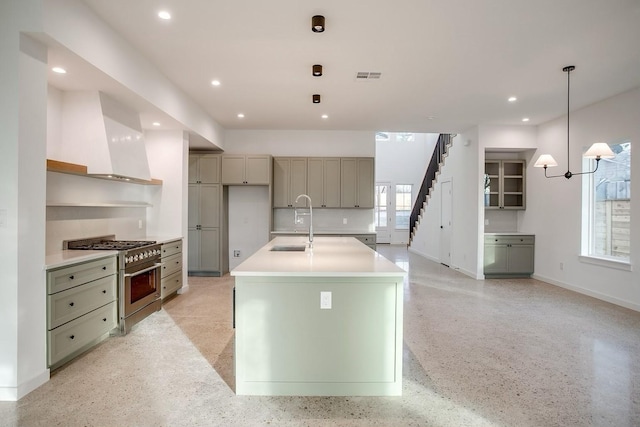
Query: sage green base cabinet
{"points": [[171, 277], [81, 307], [508, 255], [287, 345]]}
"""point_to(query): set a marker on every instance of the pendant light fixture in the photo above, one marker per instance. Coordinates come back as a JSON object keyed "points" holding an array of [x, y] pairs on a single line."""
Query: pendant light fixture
{"points": [[317, 24], [599, 150]]}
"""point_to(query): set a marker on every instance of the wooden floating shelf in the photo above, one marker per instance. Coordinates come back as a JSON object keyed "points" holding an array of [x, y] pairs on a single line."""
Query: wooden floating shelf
{"points": [[81, 170]]}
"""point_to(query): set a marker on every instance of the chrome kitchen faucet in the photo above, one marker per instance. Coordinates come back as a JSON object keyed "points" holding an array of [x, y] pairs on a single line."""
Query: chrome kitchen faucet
{"points": [[298, 220]]}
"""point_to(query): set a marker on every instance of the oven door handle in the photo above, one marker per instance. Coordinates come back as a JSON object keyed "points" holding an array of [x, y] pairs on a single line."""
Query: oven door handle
{"points": [[154, 266]]}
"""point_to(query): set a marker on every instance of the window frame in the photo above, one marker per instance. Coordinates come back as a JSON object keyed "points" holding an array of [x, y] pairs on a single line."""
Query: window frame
{"points": [[588, 241]]}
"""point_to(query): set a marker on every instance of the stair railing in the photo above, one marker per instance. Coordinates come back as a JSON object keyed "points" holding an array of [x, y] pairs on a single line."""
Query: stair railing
{"points": [[434, 165]]}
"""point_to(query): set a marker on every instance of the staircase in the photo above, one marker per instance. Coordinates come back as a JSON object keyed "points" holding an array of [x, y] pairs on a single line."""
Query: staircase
{"points": [[433, 170]]}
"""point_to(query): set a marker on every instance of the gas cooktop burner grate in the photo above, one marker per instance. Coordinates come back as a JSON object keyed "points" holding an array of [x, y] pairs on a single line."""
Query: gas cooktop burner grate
{"points": [[107, 244], [113, 245]]}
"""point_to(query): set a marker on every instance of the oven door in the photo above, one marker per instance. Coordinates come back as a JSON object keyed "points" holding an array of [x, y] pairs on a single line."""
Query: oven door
{"points": [[141, 286]]}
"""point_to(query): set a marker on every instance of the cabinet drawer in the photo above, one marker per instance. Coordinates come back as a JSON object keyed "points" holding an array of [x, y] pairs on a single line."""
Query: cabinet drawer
{"points": [[509, 240], [73, 336], [170, 284], [77, 274], [171, 248], [67, 305], [171, 264]]}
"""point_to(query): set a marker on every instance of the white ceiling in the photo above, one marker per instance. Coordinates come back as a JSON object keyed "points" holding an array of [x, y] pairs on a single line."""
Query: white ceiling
{"points": [[446, 65]]}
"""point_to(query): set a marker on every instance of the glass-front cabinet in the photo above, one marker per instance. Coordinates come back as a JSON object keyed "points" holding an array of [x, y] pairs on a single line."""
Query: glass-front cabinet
{"points": [[504, 184]]}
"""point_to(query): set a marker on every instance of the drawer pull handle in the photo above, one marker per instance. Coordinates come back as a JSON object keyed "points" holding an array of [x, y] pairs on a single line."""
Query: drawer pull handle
{"points": [[104, 319], [104, 268], [70, 277], [72, 336], [104, 291], [71, 304]]}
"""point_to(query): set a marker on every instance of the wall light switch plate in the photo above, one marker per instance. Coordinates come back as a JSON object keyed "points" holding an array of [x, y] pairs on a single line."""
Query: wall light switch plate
{"points": [[325, 300]]}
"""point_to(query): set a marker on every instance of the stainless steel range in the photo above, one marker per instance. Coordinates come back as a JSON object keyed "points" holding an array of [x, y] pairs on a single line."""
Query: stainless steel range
{"points": [[138, 275]]}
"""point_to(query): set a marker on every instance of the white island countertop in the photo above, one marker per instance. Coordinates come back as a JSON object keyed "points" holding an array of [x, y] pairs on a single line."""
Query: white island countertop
{"points": [[329, 257]]}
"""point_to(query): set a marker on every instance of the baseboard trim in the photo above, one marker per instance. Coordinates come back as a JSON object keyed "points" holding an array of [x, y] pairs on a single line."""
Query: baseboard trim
{"points": [[588, 292], [13, 394]]}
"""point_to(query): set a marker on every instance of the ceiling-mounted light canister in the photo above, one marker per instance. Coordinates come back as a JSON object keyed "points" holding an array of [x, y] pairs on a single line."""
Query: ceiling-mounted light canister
{"points": [[317, 70], [317, 24], [316, 99]]}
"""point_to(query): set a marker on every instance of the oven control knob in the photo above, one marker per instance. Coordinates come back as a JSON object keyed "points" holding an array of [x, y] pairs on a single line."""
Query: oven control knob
{"points": [[135, 257]]}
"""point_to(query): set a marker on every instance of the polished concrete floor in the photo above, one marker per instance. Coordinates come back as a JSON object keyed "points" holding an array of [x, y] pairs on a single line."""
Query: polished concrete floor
{"points": [[477, 353]]}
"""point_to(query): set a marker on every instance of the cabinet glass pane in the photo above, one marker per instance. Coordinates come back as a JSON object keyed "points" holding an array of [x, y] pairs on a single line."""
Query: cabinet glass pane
{"points": [[492, 168], [512, 200], [513, 185], [512, 168]]}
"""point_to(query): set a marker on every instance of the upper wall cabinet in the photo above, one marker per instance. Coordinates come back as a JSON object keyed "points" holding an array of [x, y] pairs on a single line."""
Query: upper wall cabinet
{"points": [[204, 169], [357, 182], [323, 181], [241, 169], [289, 181], [504, 184]]}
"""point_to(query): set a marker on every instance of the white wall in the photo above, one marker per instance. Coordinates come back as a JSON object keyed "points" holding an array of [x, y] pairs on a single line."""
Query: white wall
{"points": [[462, 168], [248, 221], [23, 78], [554, 206], [301, 143], [168, 154]]}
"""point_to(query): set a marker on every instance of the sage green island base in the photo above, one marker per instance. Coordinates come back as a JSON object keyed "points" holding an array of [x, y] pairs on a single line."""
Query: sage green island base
{"points": [[326, 321]]}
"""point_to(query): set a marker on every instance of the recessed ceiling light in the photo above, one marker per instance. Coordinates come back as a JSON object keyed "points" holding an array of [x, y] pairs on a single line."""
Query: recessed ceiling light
{"points": [[59, 70], [324, 116], [512, 99], [163, 14], [526, 119], [156, 123], [215, 82], [240, 116]]}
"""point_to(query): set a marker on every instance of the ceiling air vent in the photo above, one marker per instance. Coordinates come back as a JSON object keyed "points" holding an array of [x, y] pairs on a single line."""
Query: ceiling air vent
{"points": [[368, 75]]}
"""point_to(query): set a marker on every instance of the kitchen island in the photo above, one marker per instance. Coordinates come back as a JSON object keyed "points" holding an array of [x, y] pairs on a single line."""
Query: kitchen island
{"points": [[325, 321]]}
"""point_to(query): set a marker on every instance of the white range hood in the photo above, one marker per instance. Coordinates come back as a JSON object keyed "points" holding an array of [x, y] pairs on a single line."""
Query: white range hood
{"points": [[104, 135]]}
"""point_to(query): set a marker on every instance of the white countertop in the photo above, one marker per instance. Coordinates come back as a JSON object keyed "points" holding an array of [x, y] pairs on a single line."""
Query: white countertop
{"points": [[321, 232], [63, 258], [513, 233], [329, 257]]}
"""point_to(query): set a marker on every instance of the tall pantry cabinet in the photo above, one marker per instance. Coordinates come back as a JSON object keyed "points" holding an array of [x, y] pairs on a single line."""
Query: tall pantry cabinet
{"points": [[205, 218]]}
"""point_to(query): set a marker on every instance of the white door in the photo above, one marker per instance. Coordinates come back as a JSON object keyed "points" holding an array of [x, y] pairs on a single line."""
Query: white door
{"points": [[445, 222], [382, 212]]}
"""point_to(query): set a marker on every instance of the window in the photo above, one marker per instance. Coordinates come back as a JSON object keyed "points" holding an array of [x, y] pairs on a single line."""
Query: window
{"points": [[381, 203], [608, 206], [403, 206]]}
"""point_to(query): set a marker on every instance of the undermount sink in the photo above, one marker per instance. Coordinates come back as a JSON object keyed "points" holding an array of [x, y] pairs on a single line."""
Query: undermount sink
{"points": [[288, 248]]}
